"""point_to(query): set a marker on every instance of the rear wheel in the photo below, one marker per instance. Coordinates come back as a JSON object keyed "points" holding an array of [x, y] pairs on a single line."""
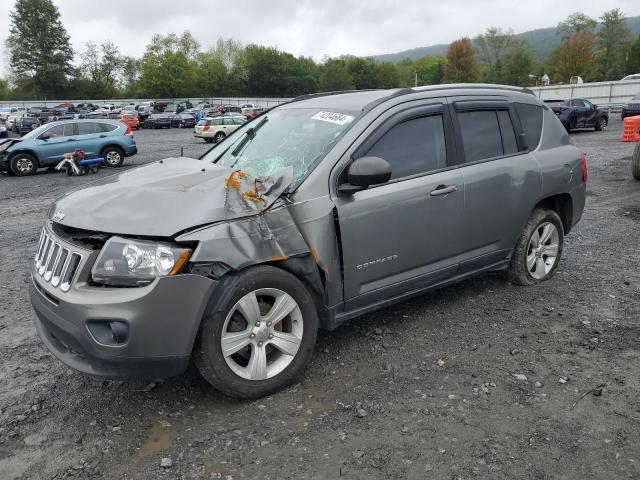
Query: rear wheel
{"points": [[261, 339], [24, 164], [218, 137], [601, 124], [538, 250], [635, 162], [113, 156]]}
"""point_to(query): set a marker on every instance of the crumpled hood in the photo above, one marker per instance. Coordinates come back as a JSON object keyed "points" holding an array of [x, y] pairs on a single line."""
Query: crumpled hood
{"points": [[166, 197]]}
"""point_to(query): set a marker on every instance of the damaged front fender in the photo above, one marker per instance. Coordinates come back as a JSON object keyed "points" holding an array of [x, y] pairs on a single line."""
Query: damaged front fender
{"points": [[269, 236]]}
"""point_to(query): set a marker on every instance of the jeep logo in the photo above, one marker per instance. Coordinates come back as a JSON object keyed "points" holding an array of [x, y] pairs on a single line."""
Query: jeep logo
{"points": [[58, 216]]}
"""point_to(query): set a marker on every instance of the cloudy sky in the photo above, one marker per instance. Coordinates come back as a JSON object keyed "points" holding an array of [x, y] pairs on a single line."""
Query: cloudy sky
{"points": [[309, 27]]}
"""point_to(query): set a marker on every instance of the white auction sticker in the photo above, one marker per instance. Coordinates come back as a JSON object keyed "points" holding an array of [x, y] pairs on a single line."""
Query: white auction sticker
{"points": [[333, 117]]}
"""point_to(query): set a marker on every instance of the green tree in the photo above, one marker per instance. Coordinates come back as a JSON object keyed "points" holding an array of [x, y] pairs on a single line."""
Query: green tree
{"points": [[130, 79], [613, 42], [633, 57], [429, 70], [493, 47], [212, 75], [386, 75], [227, 51], [169, 67], [362, 71], [575, 23], [40, 54], [4, 89], [335, 76], [518, 65], [102, 65], [461, 62]]}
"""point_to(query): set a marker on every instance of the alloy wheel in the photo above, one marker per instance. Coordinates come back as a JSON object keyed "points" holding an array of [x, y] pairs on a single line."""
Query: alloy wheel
{"points": [[262, 334], [113, 158], [542, 253], [24, 165]]}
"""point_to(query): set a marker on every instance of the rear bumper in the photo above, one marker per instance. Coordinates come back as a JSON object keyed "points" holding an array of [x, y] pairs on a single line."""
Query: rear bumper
{"points": [[162, 320], [131, 150]]}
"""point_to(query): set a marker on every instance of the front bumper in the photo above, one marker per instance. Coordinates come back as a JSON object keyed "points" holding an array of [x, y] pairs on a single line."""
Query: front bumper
{"points": [[163, 319]]}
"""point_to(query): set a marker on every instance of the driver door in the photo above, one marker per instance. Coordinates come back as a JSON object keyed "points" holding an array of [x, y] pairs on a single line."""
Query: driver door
{"points": [[404, 235], [52, 144]]}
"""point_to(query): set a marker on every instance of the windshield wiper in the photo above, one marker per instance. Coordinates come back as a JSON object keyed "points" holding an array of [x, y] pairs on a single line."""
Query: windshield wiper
{"points": [[248, 135]]}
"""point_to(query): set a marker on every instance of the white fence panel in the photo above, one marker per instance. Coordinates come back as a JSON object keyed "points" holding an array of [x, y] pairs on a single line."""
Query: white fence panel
{"points": [[604, 94]]}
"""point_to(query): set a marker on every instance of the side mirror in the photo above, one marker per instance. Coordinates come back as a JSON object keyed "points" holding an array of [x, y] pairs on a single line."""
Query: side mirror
{"points": [[366, 171], [595, 107]]}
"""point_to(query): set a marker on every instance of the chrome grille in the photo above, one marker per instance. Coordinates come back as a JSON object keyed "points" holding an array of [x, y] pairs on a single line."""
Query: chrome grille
{"points": [[56, 262]]}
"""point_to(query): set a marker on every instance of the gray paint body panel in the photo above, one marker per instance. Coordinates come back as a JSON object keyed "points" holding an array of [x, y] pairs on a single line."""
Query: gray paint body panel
{"points": [[368, 249]]}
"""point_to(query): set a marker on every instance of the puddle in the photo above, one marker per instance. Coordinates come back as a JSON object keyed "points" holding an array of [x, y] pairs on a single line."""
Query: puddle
{"points": [[158, 439], [630, 211]]}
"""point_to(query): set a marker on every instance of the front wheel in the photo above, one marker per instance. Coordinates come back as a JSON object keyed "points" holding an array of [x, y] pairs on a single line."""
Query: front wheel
{"points": [[24, 164], [113, 156], [635, 162], [262, 338], [538, 250]]}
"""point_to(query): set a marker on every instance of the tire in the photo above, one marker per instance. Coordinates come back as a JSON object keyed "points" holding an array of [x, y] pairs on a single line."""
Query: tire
{"points": [[601, 124], [635, 162], [208, 140], [218, 137], [262, 287], [24, 164], [529, 264], [113, 157]]}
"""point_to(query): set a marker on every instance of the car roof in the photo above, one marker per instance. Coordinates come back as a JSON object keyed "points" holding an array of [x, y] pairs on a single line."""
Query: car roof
{"points": [[85, 120], [361, 99]]}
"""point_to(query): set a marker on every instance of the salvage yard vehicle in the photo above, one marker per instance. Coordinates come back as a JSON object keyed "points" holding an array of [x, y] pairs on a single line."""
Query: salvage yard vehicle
{"points": [[632, 108], [579, 113], [25, 125], [46, 145], [318, 211], [158, 120], [183, 120], [130, 119], [217, 128]]}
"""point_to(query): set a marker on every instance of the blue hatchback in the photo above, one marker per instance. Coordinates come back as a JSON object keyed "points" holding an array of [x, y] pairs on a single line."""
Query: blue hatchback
{"points": [[46, 145]]}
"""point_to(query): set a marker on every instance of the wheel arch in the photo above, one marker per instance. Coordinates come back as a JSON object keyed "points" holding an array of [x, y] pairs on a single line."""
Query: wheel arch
{"points": [[25, 150], [112, 145], [562, 204]]}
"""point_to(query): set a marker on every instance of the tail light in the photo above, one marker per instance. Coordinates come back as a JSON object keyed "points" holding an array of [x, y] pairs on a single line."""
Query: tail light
{"points": [[206, 127], [583, 164], [129, 132]]}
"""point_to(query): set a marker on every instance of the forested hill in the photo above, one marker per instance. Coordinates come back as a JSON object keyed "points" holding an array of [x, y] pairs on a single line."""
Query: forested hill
{"points": [[541, 41]]}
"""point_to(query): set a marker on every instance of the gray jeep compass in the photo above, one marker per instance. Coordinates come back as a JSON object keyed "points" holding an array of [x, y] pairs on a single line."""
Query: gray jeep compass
{"points": [[320, 210]]}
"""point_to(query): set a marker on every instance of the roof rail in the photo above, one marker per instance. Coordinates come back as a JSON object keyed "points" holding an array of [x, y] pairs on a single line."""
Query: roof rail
{"points": [[479, 86], [326, 94]]}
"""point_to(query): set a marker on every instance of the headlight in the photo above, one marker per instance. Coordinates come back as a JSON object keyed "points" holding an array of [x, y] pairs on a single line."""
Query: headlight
{"points": [[132, 263]]}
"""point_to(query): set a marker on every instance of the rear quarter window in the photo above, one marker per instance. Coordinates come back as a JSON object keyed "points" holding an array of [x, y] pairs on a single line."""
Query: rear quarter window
{"points": [[107, 127], [531, 121]]}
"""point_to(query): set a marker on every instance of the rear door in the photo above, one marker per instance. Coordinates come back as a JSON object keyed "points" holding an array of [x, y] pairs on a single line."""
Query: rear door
{"points": [[590, 114], [52, 144], [403, 235], [581, 112], [89, 135], [500, 177]]}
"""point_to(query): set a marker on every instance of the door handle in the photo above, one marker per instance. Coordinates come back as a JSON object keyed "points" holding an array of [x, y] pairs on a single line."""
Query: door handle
{"points": [[443, 190], [103, 136]]}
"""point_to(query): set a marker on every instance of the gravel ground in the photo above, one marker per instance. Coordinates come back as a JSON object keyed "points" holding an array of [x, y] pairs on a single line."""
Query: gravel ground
{"points": [[480, 380]]}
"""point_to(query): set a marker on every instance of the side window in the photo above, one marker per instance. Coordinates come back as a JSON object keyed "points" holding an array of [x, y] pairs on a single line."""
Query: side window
{"points": [[413, 146], [578, 103], [216, 121], [588, 104], [58, 131], [531, 120], [88, 128], [228, 121], [107, 127], [481, 136], [238, 121], [509, 143]]}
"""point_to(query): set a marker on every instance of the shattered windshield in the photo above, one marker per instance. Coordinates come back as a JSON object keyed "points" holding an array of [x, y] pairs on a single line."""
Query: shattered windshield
{"points": [[293, 137]]}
